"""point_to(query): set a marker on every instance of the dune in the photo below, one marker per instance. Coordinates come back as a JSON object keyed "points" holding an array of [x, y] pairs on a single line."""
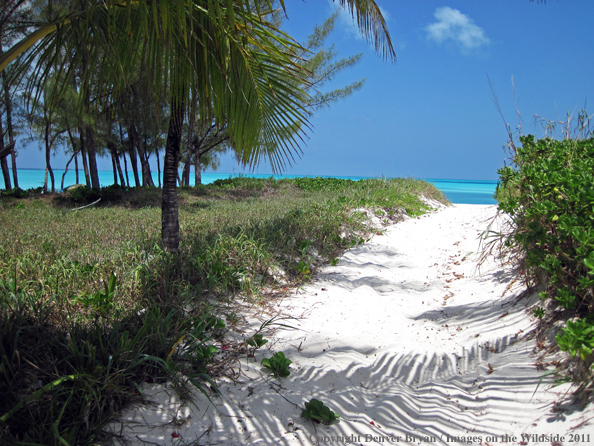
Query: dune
{"points": [[406, 338]]}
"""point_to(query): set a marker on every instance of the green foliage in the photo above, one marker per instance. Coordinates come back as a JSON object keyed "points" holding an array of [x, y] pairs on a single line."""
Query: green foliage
{"points": [[549, 193], [538, 312], [552, 207], [14, 193], [278, 365], [102, 301], [84, 194], [577, 338], [257, 341], [317, 411], [323, 184], [303, 269]]}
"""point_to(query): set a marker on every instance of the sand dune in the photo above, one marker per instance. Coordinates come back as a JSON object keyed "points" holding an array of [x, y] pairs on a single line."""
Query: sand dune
{"points": [[405, 338]]}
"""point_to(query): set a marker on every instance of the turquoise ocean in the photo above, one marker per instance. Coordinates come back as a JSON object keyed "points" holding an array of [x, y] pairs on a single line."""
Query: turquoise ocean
{"points": [[457, 191]]}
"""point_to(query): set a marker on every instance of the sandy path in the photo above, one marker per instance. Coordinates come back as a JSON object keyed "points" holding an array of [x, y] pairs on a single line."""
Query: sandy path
{"points": [[405, 339]]}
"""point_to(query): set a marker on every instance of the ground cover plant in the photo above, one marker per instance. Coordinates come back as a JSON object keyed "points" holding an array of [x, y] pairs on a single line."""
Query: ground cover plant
{"points": [[317, 411], [549, 194], [93, 307]]}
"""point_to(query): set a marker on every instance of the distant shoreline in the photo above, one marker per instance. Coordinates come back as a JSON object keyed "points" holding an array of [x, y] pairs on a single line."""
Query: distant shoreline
{"points": [[457, 191]]}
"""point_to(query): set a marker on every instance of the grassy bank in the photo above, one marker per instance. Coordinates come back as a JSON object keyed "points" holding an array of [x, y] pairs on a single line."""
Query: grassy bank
{"points": [[92, 307]]}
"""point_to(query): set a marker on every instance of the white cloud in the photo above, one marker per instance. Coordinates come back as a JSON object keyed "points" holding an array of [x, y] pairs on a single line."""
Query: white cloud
{"points": [[454, 26]]}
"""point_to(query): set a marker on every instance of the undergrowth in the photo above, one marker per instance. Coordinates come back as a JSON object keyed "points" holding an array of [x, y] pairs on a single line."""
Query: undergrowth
{"points": [[548, 192], [92, 307]]}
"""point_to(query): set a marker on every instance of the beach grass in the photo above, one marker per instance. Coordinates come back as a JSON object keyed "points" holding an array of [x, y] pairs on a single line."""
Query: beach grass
{"points": [[92, 307]]}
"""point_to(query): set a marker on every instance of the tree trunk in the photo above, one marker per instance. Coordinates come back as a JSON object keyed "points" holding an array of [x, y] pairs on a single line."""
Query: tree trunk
{"points": [[6, 174], [76, 165], [169, 205], [48, 166], [3, 161], [189, 145], [66, 170], [158, 169], [197, 169], [147, 176], [75, 151], [126, 169], [115, 162], [114, 168], [133, 156], [83, 154], [92, 154], [119, 167], [8, 104], [138, 142], [124, 156], [185, 179]]}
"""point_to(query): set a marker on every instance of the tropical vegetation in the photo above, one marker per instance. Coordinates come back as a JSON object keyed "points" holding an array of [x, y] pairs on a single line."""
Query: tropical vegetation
{"points": [[548, 192]]}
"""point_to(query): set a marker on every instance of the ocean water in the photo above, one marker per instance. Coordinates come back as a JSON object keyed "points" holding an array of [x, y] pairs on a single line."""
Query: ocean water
{"points": [[467, 191], [457, 191]]}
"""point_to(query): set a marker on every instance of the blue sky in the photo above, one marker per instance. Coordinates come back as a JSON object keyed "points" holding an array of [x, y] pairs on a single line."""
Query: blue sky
{"points": [[431, 114]]}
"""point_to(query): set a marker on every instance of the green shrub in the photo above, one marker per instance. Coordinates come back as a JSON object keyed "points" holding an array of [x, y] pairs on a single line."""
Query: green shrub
{"points": [[549, 193], [278, 365], [17, 192], [577, 338], [83, 194], [317, 411]]}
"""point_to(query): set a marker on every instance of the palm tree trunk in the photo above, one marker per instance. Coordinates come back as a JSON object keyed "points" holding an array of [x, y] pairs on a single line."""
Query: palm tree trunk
{"points": [[169, 204]]}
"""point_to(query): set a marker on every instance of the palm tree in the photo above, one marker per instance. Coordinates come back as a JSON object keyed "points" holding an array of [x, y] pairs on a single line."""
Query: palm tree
{"points": [[240, 66]]}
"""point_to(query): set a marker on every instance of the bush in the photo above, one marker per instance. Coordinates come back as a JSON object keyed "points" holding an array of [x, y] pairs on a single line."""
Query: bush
{"points": [[17, 192], [549, 193], [83, 194], [553, 210], [113, 193]]}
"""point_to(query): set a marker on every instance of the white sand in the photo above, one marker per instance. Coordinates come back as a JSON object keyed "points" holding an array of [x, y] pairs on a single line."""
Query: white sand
{"points": [[405, 339]]}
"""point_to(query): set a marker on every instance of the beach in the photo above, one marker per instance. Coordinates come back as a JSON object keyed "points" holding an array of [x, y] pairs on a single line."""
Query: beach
{"points": [[407, 338]]}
